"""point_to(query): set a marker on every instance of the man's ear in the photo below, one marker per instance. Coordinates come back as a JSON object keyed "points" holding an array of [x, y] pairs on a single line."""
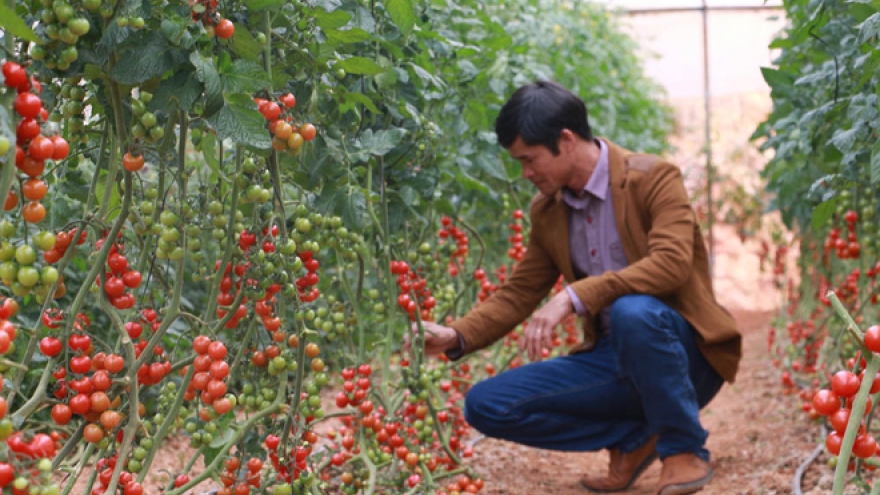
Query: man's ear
{"points": [[567, 140]]}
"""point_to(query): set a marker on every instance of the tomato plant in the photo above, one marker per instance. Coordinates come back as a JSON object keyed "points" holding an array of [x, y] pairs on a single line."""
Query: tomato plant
{"points": [[216, 214]]}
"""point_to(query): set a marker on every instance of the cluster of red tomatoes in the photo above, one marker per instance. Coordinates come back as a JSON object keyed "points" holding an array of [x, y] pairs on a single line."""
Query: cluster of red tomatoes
{"points": [[306, 285], [847, 247], [105, 467], [836, 403], [517, 251], [205, 11], [121, 280], [211, 370], [226, 297], [286, 135], [32, 148], [354, 393], [457, 257], [409, 281]]}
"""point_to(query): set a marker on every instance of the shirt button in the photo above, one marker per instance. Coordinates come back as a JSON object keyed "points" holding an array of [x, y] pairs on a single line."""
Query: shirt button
{"points": [[593, 253]]}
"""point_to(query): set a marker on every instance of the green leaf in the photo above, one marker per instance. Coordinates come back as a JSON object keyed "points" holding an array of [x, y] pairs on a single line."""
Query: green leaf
{"points": [[352, 98], [113, 36], [280, 76], [149, 58], [257, 5], [349, 202], [244, 76], [354, 35], [776, 78], [183, 87], [823, 213], [376, 144], [173, 30], [402, 13], [245, 45], [491, 167], [360, 65], [13, 25], [240, 121], [428, 78], [328, 5], [331, 20], [207, 74], [845, 139], [92, 71], [875, 163], [869, 28]]}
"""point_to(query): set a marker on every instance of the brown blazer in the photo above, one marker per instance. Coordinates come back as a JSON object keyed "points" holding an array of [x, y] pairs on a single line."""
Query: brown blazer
{"points": [[662, 241]]}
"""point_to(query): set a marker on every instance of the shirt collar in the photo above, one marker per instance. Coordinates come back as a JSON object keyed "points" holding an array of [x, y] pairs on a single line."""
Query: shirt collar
{"points": [[598, 183]]}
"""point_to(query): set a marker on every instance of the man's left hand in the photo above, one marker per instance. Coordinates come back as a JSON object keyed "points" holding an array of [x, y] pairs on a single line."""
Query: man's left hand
{"points": [[539, 332]]}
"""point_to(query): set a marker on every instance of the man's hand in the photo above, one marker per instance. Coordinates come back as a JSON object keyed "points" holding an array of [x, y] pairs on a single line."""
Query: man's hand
{"points": [[539, 332], [438, 338]]}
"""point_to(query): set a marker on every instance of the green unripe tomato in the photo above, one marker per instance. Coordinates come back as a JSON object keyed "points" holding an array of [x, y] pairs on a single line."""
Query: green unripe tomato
{"points": [[168, 218], [8, 272], [138, 131], [79, 26], [20, 483], [25, 254], [49, 276], [170, 234], [67, 37], [7, 229], [303, 225], [282, 489], [44, 240], [7, 251], [176, 254], [140, 453], [157, 133], [148, 119], [63, 12], [28, 276]]}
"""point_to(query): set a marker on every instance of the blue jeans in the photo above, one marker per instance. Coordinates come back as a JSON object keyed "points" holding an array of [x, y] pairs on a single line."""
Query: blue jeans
{"points": [[645, 378]]}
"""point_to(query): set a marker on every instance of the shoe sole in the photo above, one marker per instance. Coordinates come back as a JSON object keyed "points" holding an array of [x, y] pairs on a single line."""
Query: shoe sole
{"points": [[686, 488], [638, 472]]}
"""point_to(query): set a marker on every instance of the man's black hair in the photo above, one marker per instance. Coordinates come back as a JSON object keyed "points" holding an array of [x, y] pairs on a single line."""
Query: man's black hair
{"points": [[538, 112]]}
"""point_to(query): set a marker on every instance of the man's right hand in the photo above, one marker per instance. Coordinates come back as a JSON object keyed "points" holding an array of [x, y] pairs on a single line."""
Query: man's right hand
{"points": [[438, 338]]}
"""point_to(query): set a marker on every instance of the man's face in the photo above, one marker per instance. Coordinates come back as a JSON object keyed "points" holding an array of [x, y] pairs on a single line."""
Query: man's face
{"points": [[547, 172]]}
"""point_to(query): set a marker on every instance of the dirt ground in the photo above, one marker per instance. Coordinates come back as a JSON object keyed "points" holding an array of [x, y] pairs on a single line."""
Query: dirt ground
{"points": [[757, 438]]}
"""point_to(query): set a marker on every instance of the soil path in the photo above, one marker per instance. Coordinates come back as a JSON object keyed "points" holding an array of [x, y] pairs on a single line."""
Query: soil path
{"points": [[757, 436]]}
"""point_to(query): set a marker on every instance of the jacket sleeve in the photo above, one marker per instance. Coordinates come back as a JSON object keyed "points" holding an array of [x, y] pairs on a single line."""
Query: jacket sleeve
{"points": [[668, 264], [514, 301]]}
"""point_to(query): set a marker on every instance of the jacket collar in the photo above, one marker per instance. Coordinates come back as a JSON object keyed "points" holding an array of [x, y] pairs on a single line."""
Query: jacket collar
{"points": [[554, 217]]}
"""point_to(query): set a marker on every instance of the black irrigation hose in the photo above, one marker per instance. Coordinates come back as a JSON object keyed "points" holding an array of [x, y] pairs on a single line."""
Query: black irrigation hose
{"points": [[802, 469]]}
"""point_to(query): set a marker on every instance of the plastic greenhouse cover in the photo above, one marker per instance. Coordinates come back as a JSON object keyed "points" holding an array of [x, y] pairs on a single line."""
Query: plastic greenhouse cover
{"points": [[667, 4]]}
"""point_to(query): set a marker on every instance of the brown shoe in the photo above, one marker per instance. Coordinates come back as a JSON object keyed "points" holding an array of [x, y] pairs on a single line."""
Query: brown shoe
{"points": [[623, 469], [682, 474]]}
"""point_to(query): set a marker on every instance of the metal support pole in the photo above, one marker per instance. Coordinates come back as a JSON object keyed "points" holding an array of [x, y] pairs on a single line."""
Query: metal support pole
{"points": [[710, 210]]}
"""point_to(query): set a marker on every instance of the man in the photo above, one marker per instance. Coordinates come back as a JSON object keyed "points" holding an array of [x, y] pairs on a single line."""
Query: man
{"points": [[657, 346]]}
